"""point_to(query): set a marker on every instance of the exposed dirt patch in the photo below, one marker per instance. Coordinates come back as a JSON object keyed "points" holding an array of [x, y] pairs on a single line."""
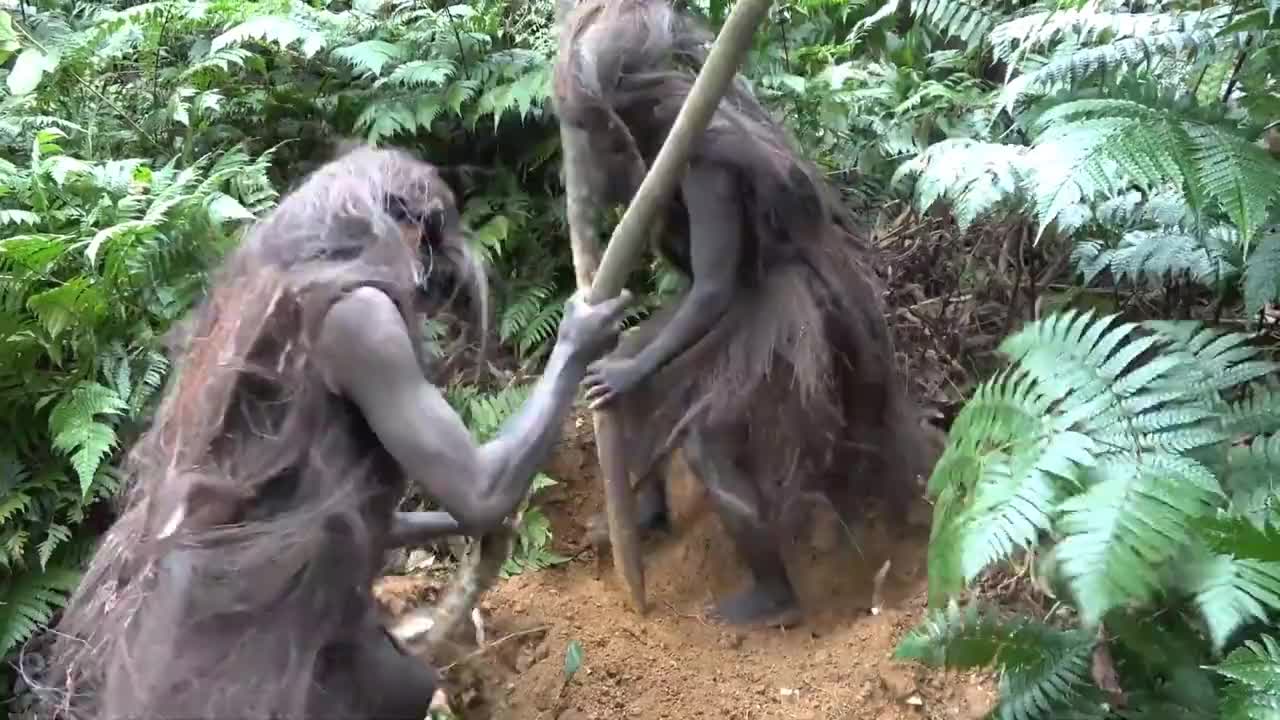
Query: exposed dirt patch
{"points": [[672, 663]]}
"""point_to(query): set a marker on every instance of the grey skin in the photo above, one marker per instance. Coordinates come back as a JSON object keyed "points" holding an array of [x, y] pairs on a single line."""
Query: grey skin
{"points": [[370, 360], [716, 239]]}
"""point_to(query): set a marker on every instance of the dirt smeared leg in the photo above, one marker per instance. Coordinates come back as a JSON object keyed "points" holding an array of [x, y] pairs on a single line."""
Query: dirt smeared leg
{"points": [[769, 598], [653, 513]]}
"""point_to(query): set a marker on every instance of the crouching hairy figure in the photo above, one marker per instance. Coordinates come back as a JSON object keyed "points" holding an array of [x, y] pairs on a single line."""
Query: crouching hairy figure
{"points": [[237, 582]]}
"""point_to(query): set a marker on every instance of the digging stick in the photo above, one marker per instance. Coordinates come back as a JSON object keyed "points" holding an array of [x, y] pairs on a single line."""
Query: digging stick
{"points": [[626, 245]]}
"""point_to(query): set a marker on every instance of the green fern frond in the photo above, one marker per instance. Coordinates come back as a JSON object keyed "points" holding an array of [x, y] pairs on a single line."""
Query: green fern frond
{"points": [[1163, 647], [541, 329], [1043, 671], [1231, 592], [370, 57], [1257, 413], [1240, 176], [19, 217], [78, 301], [1085, 26], [1001, 474], [1252, 479], [14, 503], [1254, 693], [1262, 272], [382, 120], [77, 432], [15, 547], [521, 308], [29, 601], [966, 21], [417, 74], [1076, 68], [1104, 416], [1095, 158], [484, 413], [1152, 255], [223, 59], [1215, 360], [1133, 518], [956, 638], [282, 31], [56, 534], [977, 179]]}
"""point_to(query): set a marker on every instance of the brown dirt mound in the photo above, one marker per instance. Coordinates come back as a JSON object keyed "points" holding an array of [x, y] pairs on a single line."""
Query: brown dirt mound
{"points": [[672, 663]]}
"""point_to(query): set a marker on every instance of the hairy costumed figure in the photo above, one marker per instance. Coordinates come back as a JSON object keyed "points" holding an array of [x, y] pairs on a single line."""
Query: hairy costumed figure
{"points": [[775, 372], [237, 581]]}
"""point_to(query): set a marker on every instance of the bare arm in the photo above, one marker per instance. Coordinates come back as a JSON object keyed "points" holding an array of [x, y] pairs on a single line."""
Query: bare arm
{"points": [[370, 359], [715, 239], [419, 528]]}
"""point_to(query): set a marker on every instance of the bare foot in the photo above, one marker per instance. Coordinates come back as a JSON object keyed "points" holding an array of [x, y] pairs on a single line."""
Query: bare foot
{"points": [[597, 533], [757, 606]]}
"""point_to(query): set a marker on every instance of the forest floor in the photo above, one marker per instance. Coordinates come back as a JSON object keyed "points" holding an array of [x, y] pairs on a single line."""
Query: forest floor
{"points": [[672, 663]]}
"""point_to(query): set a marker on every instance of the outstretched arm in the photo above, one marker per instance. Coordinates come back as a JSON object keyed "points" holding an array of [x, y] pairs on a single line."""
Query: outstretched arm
{"points": [[370, 359], [420, 527], [712, 195]]}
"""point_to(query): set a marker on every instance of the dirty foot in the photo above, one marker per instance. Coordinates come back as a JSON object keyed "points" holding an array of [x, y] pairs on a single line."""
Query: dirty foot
{"points": [[597, 534], [756, 606]]}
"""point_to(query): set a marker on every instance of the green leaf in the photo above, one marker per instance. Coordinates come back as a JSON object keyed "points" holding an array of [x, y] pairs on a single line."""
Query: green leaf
{"points": [[223, 208], [8, 38], [1042, 669], [572, 659], [77, 431], [1262, 272], [18, 217], [28, 602], [77, 302], [1134, 518], [1254, 669], [281, 30], [370, 56]]}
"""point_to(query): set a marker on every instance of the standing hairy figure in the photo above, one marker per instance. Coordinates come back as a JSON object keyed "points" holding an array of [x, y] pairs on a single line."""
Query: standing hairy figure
{"points": [[237, 582], [775, 372]]}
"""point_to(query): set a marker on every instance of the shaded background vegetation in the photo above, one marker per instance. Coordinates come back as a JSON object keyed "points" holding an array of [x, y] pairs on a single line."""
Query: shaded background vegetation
{"points": [[1052, 184]]}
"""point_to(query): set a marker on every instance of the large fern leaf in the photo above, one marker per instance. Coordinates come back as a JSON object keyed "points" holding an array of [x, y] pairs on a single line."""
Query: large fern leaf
{"points": [[1044, 671], [77, 430], [1239, 175], [1236, 578], [1254, 693], [976, 179], [1001, 474], [1252, 479], [1083, 26], [1074, 69], [1262, 272], [28, 600], [1136, 516]]}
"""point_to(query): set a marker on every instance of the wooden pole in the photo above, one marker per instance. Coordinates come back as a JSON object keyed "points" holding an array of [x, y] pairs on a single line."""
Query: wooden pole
{"points": [[608, 277]]}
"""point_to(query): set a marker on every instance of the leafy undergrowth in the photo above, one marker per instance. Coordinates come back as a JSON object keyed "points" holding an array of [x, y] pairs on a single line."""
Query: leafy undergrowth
{"points": [[1135, 463]]}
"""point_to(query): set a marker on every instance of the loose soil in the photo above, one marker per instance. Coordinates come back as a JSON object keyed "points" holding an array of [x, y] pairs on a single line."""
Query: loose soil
{"points": [[672, 663]]}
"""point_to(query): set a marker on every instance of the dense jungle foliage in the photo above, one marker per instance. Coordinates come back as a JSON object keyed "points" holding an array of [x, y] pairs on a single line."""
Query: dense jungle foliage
{"points": [[1123, 464]]}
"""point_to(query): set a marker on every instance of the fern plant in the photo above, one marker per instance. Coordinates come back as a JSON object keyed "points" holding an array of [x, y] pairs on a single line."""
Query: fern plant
{"points": [[1108, 451], [96, 259], [1118, 104]]}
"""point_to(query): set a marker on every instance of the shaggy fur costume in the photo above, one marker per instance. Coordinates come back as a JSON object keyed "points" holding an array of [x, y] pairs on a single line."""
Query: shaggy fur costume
{"points": [[802, 365]]}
